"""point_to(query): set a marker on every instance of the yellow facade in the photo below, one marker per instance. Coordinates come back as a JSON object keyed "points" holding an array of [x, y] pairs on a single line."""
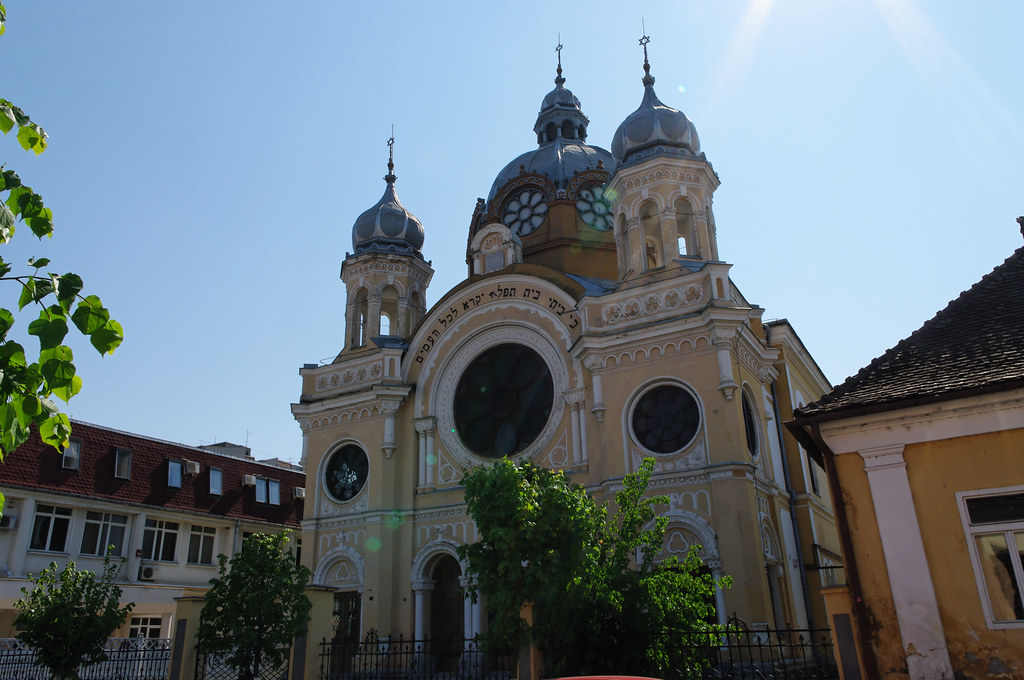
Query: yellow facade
{"points": [[628, 339]]}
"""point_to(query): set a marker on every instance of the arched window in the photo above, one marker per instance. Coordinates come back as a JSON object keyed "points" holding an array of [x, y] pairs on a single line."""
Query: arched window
{"points": [[685, 232], [388, 310], [652, 235], [359, 318], [750, 428]]}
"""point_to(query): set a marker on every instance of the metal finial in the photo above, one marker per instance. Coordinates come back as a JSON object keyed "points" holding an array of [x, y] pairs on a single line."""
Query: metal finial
{"points": [[648, 78], [559, 79], [390, 177]]}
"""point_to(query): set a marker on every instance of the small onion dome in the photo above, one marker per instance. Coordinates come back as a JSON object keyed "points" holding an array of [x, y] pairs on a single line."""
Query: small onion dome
{"points": [[388, 226], [654, 128], [561, 151]]}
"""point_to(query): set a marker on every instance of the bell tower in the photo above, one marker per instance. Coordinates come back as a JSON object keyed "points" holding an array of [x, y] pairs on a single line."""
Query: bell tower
{"points": [[663, 186], [386, 278]]}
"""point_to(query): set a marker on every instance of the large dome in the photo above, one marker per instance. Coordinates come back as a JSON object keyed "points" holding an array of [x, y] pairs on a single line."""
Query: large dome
{"points": [[388, 226], [654, 128], [562, 150]]}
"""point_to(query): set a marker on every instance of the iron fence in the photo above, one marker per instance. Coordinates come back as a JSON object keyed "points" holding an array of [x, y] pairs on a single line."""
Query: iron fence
{"points": [[210, 666], [744, 653], [395, 658], [127, 659]]}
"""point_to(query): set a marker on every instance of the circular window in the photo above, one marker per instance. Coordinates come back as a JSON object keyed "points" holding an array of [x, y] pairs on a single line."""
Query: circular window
{"points": [[503, 400], [346, 472], [665, 419]]}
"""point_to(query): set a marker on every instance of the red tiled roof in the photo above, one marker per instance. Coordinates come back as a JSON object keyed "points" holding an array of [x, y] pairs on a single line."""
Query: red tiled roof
{"points": [[975, 344], [35, 465]]}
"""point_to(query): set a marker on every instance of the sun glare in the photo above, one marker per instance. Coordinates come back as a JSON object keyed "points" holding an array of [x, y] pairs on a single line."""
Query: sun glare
{"points": [[741, 48], [961, 96]]}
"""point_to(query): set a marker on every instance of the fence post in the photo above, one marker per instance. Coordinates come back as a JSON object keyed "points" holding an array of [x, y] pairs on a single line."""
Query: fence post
{"points": [[186, 627], [306, 650], [531, 665]]}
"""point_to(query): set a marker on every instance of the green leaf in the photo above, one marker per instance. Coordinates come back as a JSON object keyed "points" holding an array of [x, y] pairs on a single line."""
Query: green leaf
{"points": [[6, 223], [32, 138], [41, 262], [55, 431], [68, 288], [90, 315], [28, 291], [6, 322], [6, 119], [15, 199], [9, 180], [108, 338], [73, 387], [51, 327]]}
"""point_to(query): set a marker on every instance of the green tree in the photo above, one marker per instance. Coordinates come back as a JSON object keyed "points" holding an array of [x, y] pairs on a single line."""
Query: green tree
{"points": [[603, 601], [69, 615], [28, 382], [256, 605]]}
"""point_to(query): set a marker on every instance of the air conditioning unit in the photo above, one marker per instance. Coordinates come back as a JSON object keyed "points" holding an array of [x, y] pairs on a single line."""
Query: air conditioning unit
{"points": [[147, 573], [8, 522], [191, 467], [300, 492], [249, 480]]}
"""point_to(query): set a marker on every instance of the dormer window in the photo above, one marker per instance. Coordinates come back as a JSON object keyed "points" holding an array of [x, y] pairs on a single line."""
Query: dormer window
{"points": [[72, 455], [215, 482], [122, 463], [174, 474]]}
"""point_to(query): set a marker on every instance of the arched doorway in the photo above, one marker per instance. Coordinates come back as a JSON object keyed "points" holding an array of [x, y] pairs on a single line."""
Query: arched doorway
{"points": [[446, 612]]}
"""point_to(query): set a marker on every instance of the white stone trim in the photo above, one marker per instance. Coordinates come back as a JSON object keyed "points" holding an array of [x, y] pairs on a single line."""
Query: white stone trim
{"points": [[910, 580]]}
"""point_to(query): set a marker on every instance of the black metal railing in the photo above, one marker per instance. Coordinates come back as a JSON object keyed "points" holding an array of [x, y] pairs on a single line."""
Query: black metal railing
{"points": [[395, 658], [211, 666], [127, 659], [743, 653]]}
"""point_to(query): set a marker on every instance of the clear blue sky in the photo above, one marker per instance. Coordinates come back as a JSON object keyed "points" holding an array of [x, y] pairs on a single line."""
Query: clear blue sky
{"points": [[207, 161]]}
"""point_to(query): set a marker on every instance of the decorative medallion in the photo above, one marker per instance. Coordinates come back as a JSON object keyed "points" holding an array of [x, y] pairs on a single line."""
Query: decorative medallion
{"points": [[503, 400], [594, 209], [525, 211], [665, 419], [346, 472]]}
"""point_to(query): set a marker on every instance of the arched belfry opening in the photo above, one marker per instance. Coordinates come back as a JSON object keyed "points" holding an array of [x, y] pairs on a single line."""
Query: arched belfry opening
{"points": [[389, 311], [651, 234], [686, 229]]}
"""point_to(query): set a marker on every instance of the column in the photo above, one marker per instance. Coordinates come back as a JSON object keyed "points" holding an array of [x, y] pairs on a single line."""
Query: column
{"points": [[467, 611], [917, 610], [723, 616], [574, 399], [427, 463], [594, 365], [421, 589], [390, 409], [421, 441], [723, 337], [22, 535], [373, 318]]}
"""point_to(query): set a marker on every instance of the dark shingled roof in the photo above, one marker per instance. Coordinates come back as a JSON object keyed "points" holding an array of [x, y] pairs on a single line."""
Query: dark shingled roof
{"points": [[36, 466], [975, 344]]}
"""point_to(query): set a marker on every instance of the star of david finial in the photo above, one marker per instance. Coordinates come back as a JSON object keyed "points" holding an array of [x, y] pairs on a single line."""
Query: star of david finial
{"points": [[559, 79], [391, 156], [644, 40]]}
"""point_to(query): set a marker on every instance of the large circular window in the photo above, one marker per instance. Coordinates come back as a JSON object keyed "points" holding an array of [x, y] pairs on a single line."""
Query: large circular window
{"points": [[503, 400], [666, 419], [346, 471]]}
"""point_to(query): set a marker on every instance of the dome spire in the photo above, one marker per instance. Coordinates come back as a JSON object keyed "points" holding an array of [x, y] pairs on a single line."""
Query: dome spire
{"points": [[648, 78], [559, 79], [390, 177]]}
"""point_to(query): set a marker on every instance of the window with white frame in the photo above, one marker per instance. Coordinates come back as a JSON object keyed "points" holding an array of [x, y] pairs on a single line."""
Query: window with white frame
{"points": [[200, 545], [994, 526], [159, 540], [104, 530], [268, 491], [122, 463], [50, 528], [72, 455], [174, 474], [215, 482], [145, 626]]}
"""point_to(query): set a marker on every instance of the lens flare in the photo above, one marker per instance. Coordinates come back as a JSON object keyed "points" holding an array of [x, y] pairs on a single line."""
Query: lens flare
{"points": [[373, 544]]}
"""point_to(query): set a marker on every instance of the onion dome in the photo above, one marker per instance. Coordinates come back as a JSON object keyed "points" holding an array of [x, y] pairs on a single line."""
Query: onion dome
{"points": [[561, 151], [388, 226], [654, 128]]}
